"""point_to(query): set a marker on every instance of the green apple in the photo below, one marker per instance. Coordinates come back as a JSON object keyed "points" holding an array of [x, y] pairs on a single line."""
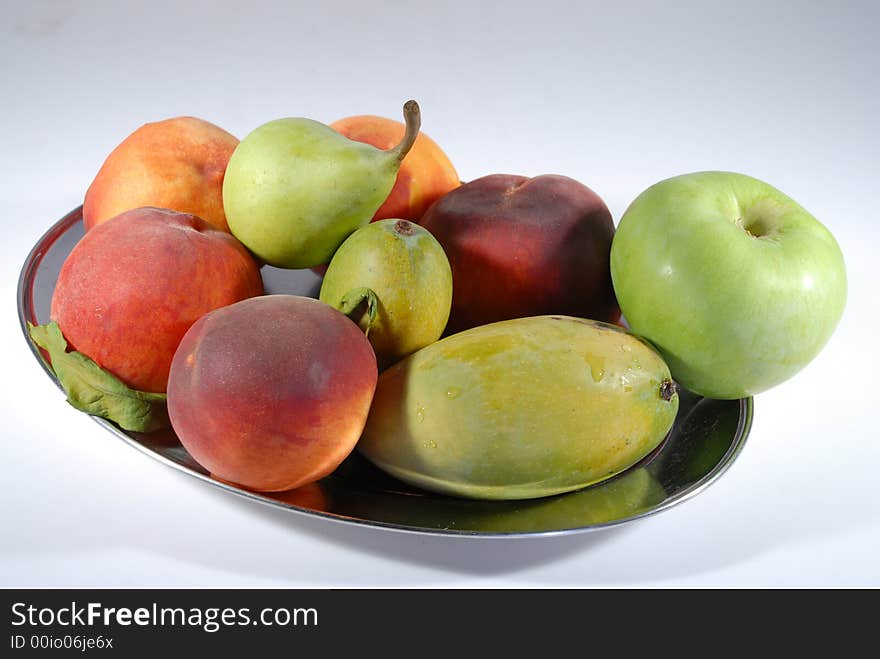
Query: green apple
{"points": [[737, 285]]}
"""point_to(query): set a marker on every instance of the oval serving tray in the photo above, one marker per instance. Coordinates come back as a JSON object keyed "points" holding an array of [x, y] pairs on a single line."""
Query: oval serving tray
{"points": [[706, 438]]}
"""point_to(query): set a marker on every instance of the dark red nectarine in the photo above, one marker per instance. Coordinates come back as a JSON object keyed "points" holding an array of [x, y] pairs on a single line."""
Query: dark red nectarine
{"points": [[525, 247]]}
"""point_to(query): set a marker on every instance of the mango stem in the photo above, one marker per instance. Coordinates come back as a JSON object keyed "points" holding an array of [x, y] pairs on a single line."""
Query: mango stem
{"points": [[361, 305], [668, 389], [413, 118]]}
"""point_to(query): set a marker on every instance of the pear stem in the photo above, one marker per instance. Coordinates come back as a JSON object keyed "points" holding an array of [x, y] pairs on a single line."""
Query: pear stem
{"points": [[413, 118], [361, 305]]}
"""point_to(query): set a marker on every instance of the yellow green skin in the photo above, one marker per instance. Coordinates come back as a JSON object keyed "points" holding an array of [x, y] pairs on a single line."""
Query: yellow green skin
{"points": [[520, 409], [294, 189], [407, 269]]}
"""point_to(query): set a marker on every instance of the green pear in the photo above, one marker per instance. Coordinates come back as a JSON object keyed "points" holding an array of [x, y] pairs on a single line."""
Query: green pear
{"points": [[295, 189]]}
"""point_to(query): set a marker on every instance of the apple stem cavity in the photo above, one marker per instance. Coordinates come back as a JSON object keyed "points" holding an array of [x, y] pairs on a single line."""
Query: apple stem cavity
{"points": [[361, 305], [755, 227], [412, 116]]}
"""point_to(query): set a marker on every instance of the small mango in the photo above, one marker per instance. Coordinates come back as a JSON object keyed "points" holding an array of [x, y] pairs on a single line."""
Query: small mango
{"points": [[521, 409], [401, 272]]}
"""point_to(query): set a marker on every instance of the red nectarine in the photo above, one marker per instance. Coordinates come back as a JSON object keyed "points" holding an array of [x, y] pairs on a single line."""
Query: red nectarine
{"points": [[525, 247]]}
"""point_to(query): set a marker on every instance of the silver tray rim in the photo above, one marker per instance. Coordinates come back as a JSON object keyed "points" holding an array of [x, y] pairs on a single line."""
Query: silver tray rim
{"points": [[32, 263]]}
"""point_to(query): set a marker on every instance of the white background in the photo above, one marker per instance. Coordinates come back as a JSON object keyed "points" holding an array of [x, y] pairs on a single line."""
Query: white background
{"points": [[617, 95]]}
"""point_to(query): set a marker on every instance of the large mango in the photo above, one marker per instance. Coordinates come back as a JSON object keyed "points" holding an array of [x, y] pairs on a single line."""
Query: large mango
{"points": [[520, 409]]}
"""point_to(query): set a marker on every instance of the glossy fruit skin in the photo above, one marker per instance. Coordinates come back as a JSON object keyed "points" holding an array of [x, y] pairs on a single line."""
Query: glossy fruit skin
{"points": [[425, 175], [520, 409], [271, 393], [737, 285], [132, 286], [523, 247], [175, 163], [405, 266], [295, 189]]}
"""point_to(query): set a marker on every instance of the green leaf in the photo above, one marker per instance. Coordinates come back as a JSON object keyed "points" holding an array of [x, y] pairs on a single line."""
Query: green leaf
{"points": [[95, 391], [361, 305]]}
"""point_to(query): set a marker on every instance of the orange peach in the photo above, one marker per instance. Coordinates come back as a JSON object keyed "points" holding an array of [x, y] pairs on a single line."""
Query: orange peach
{"points": [[131, 288], [177, 164], [425, 175]]}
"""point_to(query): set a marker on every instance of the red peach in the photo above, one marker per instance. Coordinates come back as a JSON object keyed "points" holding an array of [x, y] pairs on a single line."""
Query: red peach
{"points": [[131, 287], [271, 393]]}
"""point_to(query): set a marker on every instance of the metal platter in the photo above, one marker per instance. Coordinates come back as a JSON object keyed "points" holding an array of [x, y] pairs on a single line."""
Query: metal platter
{"points": [[706, 438]]}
